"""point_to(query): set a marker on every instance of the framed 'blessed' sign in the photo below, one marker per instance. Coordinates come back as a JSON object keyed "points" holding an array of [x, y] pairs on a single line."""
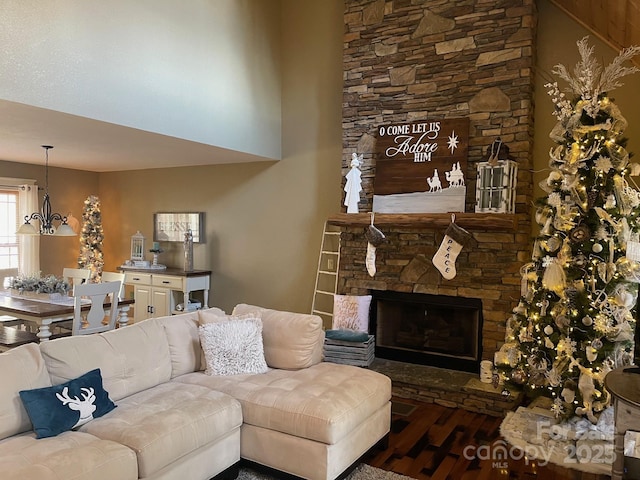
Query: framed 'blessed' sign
{"points": [[420, 167], [171, 227]]}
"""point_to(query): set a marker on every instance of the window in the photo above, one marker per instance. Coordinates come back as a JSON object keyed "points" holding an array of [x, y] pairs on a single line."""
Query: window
{"points": [[18, 197], [9, 251]]}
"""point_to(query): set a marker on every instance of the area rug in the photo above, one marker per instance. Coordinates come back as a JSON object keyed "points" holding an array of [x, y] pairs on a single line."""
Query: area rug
{"points": [[362, 472]]}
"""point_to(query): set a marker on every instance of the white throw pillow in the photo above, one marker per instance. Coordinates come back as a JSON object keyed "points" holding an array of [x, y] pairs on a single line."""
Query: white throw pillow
{"points": [[233, 347], [214, 315], [351, 312]]}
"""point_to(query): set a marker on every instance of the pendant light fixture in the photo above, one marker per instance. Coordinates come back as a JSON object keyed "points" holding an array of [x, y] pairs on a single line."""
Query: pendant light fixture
{"points": [[45, 217]]}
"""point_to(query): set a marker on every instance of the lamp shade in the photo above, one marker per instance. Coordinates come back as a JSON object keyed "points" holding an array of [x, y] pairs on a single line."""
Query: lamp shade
{"points": [[65, 230], [27, 229]]}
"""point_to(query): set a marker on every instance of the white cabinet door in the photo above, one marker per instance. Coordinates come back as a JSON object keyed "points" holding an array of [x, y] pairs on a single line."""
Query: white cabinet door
{"points": [[161, 302], [142, 294]]}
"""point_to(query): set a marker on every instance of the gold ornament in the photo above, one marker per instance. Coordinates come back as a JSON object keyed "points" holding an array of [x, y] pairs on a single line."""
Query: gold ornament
{"points": [[519, 376]]}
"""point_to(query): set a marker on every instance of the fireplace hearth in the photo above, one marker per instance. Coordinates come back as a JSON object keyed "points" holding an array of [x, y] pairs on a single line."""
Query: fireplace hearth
{"points": [[434, 330]]}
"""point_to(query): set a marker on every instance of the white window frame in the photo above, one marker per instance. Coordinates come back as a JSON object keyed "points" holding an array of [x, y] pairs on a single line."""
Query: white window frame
{"points": [[9, 249]]}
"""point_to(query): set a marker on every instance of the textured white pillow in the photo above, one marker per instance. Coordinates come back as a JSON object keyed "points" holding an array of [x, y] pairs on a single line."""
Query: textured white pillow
{"points": [[232, 347], [214, 315]]}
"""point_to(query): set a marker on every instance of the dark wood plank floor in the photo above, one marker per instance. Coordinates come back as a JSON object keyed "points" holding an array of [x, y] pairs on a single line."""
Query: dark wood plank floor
{"points": [[429, 444]]}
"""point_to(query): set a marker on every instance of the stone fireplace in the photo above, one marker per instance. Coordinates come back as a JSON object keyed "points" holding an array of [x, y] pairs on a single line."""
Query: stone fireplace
{"points": [[407, 61], [488, 268], [435, 330]]}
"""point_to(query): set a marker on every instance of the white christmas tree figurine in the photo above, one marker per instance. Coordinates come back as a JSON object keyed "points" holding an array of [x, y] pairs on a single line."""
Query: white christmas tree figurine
{"points": [[575, 321], [353, 187]]}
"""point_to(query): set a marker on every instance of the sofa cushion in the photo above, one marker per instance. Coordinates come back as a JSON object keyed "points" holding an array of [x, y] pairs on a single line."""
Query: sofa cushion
{"points": [[215, 315], [184, 343], [59, 408], [291, 340], [232, 347], [22, 368], [69, 456], [131, 359], [167, 422], [323, 402]]}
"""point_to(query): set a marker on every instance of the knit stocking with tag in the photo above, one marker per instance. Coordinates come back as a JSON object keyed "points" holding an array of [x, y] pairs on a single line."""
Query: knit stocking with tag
{"points": [[374, 238]]}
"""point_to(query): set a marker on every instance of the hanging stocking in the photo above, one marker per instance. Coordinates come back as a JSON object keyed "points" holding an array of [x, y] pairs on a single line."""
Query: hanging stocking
{"points": [[445, 258], [370, 259], [374, 238]]}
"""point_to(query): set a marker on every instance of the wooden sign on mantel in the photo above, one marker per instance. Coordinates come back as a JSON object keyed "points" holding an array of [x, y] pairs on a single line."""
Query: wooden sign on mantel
{"points": [[420, 167]]}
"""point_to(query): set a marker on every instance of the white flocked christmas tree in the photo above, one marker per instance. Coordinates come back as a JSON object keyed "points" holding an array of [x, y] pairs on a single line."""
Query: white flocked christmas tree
{"points": [[576, 318], [91, 239]]}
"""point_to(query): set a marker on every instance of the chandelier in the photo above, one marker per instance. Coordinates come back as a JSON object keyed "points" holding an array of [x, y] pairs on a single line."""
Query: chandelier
{"points": [[45, 217]]}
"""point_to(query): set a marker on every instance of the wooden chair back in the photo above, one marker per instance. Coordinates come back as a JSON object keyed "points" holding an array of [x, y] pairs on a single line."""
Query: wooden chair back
{"points": [[7, 273], [76, 276], [96, 319], [115, 277]]}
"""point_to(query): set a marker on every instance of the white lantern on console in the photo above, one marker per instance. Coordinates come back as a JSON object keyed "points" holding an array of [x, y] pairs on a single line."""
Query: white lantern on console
{"points": [[137, 247]]}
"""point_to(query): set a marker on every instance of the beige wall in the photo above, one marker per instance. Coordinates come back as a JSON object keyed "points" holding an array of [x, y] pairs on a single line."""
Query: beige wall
{"points": [[264, 220]]}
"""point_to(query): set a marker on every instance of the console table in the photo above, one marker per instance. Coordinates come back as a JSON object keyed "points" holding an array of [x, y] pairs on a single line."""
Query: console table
{"points": [[157, 293], [624, 387]]}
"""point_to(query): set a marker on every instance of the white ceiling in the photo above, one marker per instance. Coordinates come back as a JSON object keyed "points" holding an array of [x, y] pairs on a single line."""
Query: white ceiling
{"points": [[85, 144]]}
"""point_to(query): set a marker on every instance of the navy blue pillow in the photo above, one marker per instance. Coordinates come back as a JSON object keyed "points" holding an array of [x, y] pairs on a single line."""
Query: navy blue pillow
{"points": [[56, 409]]}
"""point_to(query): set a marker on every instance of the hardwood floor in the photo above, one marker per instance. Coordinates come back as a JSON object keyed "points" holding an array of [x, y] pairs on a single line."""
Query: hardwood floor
{"points": [[429, 443]]}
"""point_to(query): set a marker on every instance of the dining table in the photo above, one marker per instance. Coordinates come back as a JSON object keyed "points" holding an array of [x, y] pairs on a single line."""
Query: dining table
{"points": [[45, 313]]}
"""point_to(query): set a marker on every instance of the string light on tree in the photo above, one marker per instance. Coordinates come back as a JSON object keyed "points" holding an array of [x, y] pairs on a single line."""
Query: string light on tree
{"points": [[91, 239], [576, 318]]}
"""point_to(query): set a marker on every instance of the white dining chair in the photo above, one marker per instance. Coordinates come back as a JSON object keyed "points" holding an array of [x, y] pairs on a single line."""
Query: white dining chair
{"points": [[76, 276], [115, 277], [96, 319], [6, 274]]}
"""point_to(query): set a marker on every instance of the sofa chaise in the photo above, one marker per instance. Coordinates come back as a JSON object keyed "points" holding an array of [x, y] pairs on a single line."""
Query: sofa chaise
{"points": [[174, 419]]}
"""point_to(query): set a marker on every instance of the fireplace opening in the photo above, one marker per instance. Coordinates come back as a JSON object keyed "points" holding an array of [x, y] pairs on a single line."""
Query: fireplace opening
{"points": [[436, 330]]}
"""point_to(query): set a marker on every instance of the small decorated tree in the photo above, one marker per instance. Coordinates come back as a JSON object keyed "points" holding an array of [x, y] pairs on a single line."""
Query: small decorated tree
{"points": [[575, 321], [91, 238]]}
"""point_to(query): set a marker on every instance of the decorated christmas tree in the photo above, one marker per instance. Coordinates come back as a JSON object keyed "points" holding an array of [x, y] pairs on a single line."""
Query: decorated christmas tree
{"points": [[576, 318], [91, 238]]}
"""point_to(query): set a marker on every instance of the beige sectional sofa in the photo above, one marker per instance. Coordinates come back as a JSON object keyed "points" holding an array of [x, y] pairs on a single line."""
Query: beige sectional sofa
{"points": [[302, 416]]}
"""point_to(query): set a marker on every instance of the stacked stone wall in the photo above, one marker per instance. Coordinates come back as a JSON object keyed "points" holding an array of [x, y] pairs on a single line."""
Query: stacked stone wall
{"points": [[412, 60]]}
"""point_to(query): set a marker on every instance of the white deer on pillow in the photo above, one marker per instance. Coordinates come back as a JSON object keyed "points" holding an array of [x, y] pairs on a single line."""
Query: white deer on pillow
{"points": [[84, 406]]}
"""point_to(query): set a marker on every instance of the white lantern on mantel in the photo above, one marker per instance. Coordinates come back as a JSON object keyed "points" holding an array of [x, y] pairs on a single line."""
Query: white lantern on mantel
{"points": [[496, 186]]}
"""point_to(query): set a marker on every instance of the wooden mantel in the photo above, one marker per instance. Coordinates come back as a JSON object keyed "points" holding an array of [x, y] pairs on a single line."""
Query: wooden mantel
{"points": [[472, 221]]}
